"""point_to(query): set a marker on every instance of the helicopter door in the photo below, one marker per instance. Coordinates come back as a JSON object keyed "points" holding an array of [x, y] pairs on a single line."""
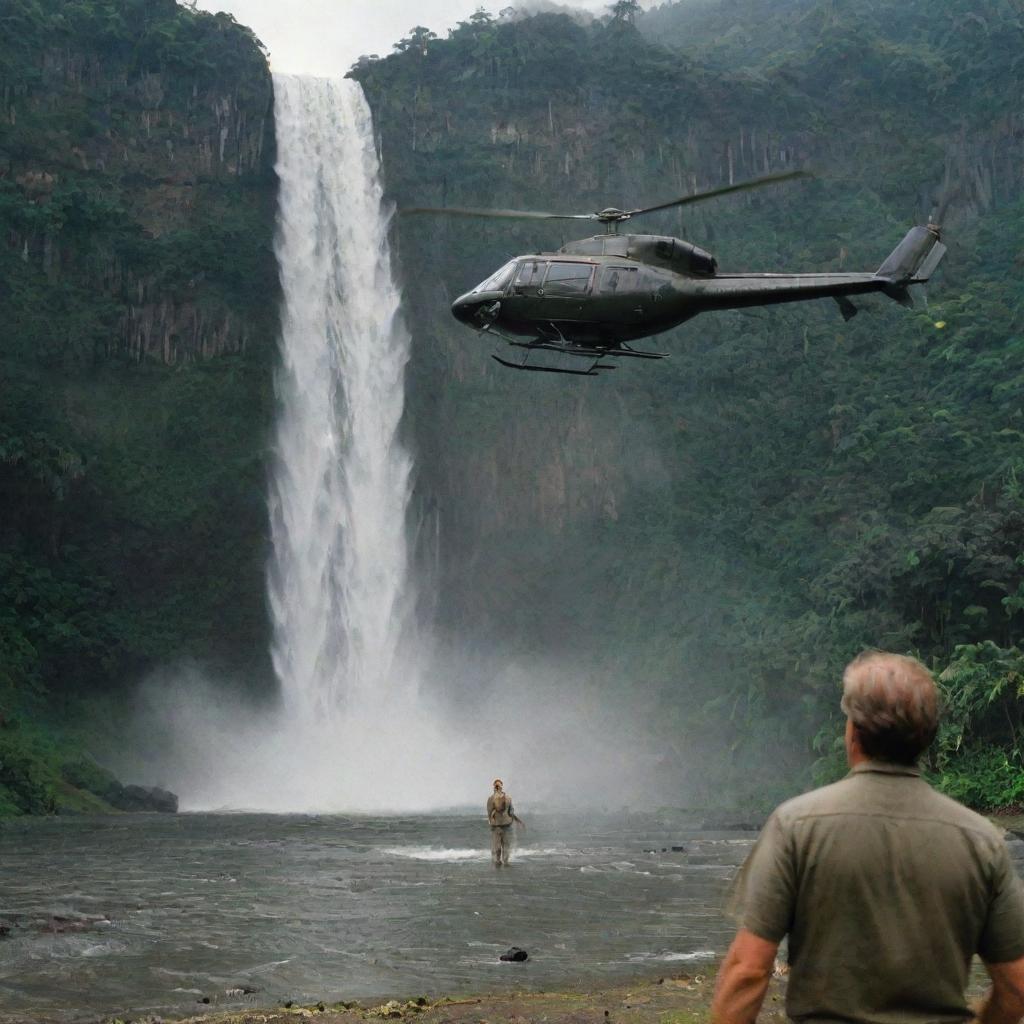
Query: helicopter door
{"points": [[622, 294], [618, 280], [566, 289]]}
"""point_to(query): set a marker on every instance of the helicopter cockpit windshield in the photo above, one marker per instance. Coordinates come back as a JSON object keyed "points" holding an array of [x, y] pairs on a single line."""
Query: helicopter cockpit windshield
{"points": [[499, 280]]}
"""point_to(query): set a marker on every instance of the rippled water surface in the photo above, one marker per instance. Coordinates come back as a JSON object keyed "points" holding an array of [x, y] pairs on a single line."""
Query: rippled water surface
{"points": [[150, 914]]}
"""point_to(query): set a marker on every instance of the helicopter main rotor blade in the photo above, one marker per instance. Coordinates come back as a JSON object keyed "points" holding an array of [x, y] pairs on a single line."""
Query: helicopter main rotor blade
{"points": [[611, 215], [743, 186], [466, 211]]}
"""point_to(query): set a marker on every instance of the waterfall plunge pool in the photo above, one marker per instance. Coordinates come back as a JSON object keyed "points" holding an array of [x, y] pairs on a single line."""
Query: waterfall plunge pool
{"points": [[146, 914]]}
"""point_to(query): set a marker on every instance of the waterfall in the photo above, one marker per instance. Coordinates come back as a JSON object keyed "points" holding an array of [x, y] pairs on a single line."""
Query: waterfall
{"points": [[339, 582], [354, 730]]}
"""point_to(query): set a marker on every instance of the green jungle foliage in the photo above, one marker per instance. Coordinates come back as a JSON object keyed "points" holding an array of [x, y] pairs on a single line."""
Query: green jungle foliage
{"points": [[137, 294], [705, 541], [712, 538]]}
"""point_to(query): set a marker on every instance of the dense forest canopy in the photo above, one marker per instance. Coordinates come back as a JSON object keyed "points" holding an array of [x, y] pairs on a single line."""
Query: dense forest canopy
{"points": [[137, 290], [718, 537], [705, 542]]}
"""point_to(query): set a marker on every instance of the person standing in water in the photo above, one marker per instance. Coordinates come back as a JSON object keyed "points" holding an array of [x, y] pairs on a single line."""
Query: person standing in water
{"points": [[501, 816]]}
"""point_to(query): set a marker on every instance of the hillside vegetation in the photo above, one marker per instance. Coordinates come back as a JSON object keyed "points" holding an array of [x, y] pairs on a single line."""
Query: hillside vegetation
{"points": [[137, 290], [700, 544], [715, 536]]}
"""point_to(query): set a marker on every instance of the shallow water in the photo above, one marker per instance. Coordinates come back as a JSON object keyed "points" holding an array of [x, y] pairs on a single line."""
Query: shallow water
{"points": [[148, 914]]}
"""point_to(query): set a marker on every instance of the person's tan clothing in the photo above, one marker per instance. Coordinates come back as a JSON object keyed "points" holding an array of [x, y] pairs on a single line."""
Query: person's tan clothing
{"points": [[499, 809], [501, 844], [500, 817], [886, 889]]}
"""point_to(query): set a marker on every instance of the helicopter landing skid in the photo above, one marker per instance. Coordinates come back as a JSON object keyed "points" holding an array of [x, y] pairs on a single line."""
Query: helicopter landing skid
{"points": [[565, 347], [587, 352], [592, 371]]}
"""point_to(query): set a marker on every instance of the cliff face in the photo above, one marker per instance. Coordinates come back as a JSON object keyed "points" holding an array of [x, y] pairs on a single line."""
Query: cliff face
{"points": [[136, 162], [716, 534], [547, 114], [138, 296]]}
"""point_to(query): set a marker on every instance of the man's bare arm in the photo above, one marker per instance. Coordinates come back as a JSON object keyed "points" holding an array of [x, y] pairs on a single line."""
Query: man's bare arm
{"points": [[1005, 1002], [743, 979]]}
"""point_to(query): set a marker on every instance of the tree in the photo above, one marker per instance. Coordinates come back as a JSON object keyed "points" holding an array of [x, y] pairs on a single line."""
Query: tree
{"points": [[624, 12], [419, 38]]}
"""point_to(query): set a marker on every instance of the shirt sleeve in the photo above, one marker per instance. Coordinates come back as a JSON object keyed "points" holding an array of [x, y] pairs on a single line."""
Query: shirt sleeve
{"points": [[764, 894], [1002, 937]]}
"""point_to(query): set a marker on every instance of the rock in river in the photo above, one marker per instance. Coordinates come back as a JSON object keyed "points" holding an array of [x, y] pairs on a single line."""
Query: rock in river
{"points": [[142, 798]]}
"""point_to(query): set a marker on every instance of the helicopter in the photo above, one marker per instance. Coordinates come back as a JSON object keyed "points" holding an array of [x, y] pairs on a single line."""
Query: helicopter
{"points": [[593, 297]]}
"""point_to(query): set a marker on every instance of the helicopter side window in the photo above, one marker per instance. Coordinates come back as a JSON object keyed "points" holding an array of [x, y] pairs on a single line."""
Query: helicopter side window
{"points": [[529, 277], [498, 281], [568, 279], [618, 279]]}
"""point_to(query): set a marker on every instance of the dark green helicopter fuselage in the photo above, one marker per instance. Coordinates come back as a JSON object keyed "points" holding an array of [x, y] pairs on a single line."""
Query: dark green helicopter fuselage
{"points": [[615, 288]]}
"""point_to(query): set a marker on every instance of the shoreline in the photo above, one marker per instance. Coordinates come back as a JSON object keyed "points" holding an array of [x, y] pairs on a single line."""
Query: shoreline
{"points": [[672, 997]]}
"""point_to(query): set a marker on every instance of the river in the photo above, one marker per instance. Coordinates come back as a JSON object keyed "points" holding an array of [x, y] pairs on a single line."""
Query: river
{"points": [[142, 914]]}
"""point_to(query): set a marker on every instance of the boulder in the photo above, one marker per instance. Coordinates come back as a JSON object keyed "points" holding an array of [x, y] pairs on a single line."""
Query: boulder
{"points": [[141, 798]]}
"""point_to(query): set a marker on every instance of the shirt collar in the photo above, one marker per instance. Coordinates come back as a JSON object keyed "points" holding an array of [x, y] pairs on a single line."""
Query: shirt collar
{"points": [[886, 768]]}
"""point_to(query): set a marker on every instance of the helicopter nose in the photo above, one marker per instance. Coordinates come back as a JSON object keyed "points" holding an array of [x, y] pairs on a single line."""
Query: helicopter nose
{"points": [[465, 308]]}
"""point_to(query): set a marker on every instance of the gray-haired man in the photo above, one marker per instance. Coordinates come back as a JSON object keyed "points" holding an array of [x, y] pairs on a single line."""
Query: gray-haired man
{"points": [[885, 888]]}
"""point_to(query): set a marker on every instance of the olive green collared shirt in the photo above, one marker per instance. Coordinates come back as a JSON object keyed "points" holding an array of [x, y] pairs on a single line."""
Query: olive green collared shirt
{"points": [[886, 890]]}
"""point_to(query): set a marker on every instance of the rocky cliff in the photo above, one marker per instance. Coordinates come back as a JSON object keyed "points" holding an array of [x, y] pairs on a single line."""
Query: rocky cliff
{"points": [[138, 296], [135, 159]]}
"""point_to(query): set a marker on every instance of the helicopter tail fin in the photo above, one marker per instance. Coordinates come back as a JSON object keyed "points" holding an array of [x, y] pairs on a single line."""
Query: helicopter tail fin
{"points": [[914, 260]]}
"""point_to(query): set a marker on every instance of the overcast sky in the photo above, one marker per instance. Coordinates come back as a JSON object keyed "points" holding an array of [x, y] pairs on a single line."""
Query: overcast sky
{"points": [[324, 37]]}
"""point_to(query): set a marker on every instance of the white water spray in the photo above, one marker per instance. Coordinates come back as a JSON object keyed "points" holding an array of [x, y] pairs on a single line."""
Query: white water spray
{"points": [[339, 582]]}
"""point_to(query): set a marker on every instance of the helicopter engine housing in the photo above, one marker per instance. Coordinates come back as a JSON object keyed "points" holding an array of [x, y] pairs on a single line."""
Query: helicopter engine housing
{"points": [[655, 250]]}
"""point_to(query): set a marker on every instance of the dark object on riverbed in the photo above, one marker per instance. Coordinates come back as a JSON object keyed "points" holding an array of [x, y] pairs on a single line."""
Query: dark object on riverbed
{"points": [[142, 798], [515, 955]]}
